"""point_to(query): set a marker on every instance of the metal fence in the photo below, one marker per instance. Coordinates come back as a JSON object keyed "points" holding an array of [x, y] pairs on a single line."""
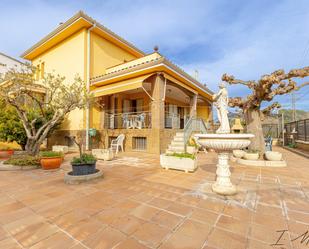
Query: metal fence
{"points": [[271, 130], [298, 130]]}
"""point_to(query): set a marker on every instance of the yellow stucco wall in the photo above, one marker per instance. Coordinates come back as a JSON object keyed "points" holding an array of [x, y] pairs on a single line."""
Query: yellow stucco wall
{"points": [[105, 54], [203, 111], [68, 59]]}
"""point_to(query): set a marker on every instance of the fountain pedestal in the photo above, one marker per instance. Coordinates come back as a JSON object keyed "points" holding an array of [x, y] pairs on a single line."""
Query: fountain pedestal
{"points": [[223, 144]]}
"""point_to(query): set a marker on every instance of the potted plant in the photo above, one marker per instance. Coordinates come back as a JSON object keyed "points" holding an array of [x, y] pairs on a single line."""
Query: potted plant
{"points": [[103, 154], [180, 161], [191, 147], [251, 155], [51, 159], [85, 164]]}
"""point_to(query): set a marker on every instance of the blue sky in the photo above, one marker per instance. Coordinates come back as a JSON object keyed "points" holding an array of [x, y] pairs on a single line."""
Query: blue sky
{"points": [[240, 37]]}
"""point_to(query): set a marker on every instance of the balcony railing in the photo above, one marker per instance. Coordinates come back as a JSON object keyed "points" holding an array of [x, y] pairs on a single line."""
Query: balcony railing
{"points": [[128, 120]]}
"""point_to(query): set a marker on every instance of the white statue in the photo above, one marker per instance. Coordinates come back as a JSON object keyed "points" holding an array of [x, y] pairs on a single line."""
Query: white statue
{"points": [[222, 102]]}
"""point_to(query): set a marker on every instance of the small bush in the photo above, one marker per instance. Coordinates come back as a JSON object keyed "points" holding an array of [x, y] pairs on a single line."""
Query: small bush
{"points": [[85, 159], [182, 155], [51, 154], [23, 160], [292, 145]]}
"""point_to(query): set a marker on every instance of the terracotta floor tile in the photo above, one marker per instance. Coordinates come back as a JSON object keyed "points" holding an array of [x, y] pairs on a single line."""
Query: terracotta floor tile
{"points": [[130, 244], [181, 241], [167, 219], [105, 239], [57, 240], [238, 212], [270, 220], [127, 224], [205, 216], [11, 207], [212, 205], [15, 215], [189, 200], [35, 233], [151, 234], [218, 238], [194, 229], [254, 244], [85, 228], [144, 212], [69, 219], [9, 243], [299, 216], [108, 216], [159, 202], [180, 209], [269, 210], [233, 225], [3, 233]]}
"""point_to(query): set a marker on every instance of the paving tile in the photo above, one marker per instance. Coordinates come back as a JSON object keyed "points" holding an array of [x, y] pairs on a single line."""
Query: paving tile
{"points": [[218, 238], [85, 228], [144, 212], [180, 209], [35, 233], [194, 229], [69, 219], [105, 239], [130, 244], [9, 243], [159, 202], [212, 205], [55, 241], [182, 241], [205, 216], [127, 224], [167, 219], [151, 234], [233, 225]]}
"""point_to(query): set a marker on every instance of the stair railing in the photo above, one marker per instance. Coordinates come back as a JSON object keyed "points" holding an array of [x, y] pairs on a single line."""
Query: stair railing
{"points": [[194, 125]]}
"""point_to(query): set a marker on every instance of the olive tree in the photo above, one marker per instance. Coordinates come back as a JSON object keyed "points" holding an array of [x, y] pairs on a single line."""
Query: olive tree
{"points": [[47, 101], [264, 89]]}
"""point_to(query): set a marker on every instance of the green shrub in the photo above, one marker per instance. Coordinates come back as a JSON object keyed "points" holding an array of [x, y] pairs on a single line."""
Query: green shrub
{"points": [[292, 145], [182, 155], [23, 160], [51, 154], [84, 159]]}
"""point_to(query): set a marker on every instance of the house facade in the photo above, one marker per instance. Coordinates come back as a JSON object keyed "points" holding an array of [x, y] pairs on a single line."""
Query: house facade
{"points": [[7, 62], [143, 96]]}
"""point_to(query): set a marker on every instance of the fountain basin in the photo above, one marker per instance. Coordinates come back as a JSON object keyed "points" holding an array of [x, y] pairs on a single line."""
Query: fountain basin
{"points": [[223, 144]]}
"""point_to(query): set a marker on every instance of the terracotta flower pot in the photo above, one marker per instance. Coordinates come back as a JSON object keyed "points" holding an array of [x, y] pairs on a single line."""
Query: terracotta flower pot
{"points": [[6, 153], [51, 162]]}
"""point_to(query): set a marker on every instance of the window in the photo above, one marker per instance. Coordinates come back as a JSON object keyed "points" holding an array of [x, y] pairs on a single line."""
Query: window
{"points": [[139, 143], [42, 70], [37, 72]]}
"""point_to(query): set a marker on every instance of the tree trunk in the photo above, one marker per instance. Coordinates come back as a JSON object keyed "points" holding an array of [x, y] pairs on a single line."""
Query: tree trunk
{"points": [[32, 147], [254, 126]]}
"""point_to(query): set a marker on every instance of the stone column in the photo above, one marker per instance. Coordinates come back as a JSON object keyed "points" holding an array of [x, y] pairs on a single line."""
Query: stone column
{"points": [[157, 113]]}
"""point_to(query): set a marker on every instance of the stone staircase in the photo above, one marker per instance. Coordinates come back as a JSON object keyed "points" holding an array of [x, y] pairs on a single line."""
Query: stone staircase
{"points": [[177, 145]]}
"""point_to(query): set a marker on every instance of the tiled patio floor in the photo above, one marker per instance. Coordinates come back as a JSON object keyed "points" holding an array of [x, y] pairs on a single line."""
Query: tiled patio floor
{"points": [[138, 205]]}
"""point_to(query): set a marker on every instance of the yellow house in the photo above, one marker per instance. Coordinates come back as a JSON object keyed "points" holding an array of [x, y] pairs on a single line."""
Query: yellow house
{"points": [[150, 100]]}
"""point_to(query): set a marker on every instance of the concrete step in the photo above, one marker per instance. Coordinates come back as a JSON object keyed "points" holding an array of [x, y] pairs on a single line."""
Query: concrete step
{"points": [[179, 134], [178, 143], [178, 139], [176, 149]]}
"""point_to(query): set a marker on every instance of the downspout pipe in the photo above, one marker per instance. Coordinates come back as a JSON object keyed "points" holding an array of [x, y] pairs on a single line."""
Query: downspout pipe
{"points": [[88, 83]]}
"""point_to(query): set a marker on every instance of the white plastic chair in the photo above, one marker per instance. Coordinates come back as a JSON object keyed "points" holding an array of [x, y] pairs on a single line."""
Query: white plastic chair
{"points": [[118, 142]]}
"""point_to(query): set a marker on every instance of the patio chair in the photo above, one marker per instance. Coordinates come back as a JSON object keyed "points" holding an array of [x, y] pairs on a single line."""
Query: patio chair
{"points": [[141, 120], [118, 142], [125, 121]]}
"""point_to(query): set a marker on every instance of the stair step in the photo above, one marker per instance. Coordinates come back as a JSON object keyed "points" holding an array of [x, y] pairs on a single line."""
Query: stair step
{"points": [[178, 143], [179, 134], [179, 139]]}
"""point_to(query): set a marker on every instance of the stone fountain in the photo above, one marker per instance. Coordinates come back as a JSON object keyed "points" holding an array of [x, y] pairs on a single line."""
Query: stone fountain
{"points": [[223, 142]]}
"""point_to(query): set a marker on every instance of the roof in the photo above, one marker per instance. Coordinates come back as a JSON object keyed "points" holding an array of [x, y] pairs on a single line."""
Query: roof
{"points": [[149, 61], [11, 58], [87, 23]]}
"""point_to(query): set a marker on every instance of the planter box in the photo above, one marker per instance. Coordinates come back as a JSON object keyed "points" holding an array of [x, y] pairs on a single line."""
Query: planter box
{"points": [[273, 156], [83, 169], [60, 148], [172, 162], [51, 162], [191, 150], [6, 153], [103, 154], [251, 156]]}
